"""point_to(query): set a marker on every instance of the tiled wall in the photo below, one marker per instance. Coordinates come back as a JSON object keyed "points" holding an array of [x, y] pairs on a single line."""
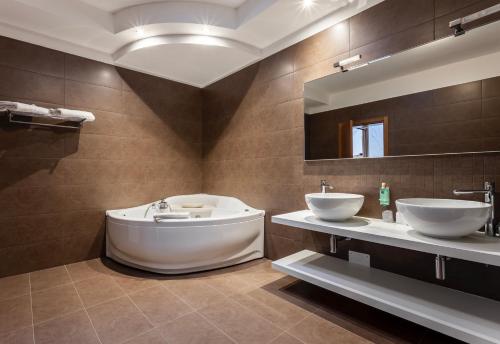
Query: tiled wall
{"points": [[146, 143], [56, 184], [454, 119], [253, 139]]}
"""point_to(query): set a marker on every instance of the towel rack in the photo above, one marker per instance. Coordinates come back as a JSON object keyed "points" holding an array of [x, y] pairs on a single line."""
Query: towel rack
{"points": [[14, 118]]}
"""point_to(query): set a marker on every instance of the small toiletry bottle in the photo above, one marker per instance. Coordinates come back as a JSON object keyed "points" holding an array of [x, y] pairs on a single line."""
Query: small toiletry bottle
{"points": [[384, 195], [385, 201]]}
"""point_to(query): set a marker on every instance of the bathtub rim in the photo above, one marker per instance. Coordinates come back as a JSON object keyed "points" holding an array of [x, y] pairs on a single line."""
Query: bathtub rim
{"points": [[116, 216]]}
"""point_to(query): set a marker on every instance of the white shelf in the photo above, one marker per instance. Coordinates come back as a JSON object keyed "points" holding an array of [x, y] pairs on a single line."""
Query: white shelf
{"points": [[460, 315], [476, 247]]}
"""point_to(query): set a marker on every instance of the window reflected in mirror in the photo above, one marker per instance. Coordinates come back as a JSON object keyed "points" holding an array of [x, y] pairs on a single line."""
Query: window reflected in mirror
{"points": [[364, 138]]}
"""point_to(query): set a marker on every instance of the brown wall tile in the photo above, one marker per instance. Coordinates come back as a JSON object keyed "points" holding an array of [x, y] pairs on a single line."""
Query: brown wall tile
{"points": [[388, 18], [253, 135], [93, 97], [30, 57], [252, 144], [65, 180], [18, 83], [92, 72]]}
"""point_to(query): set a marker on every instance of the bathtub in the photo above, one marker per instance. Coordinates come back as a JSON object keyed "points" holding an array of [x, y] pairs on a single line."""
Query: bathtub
{"points": [[228, 233]]}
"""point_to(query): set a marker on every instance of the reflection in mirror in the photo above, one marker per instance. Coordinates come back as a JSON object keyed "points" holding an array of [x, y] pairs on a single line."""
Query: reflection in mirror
{"points": [[439, 98]]}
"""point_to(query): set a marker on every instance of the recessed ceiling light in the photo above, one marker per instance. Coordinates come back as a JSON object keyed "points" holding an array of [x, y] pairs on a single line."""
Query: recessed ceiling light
{"points": [[307, 3], [140, 31]]}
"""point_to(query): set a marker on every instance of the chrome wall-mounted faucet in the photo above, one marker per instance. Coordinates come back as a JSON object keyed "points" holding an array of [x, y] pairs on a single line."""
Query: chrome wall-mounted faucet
{"points": [[324, 185], [491, 227], [164, 205]]}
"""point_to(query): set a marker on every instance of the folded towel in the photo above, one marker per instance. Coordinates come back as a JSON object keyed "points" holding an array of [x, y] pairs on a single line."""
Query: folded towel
{"points": [[23, 108], [192, 205], [172, 215], [72, 115]]}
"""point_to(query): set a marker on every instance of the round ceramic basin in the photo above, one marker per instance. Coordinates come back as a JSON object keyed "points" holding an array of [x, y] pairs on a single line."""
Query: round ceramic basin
{"points": [[444, 218], [334, 206]]}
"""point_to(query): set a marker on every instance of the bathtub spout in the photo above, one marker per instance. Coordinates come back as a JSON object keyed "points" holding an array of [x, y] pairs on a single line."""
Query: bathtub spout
{"points": [[152, 205]]}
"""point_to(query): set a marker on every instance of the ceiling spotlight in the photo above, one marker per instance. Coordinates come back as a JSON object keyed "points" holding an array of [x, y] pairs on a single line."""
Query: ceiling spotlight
{"points": [[140, 31], [307, 3]]}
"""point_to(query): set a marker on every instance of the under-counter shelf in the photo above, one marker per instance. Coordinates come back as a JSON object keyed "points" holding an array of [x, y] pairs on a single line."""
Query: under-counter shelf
{"points": [[463, 316], [476, 247]]}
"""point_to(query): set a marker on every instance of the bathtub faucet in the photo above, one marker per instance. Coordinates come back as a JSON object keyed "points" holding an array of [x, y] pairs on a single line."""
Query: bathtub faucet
{"points": [[164, 205]]}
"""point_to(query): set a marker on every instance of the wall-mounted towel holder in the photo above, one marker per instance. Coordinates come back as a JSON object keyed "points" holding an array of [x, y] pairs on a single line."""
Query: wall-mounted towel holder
{"points": [[17, 117]]}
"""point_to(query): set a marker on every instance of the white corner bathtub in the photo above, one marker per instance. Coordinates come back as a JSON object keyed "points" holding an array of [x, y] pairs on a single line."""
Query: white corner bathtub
{"points": [[233, 233]]}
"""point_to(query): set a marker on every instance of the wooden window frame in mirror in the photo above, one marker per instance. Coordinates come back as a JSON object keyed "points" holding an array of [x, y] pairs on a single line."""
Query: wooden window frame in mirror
{"points": [[345, 134]]}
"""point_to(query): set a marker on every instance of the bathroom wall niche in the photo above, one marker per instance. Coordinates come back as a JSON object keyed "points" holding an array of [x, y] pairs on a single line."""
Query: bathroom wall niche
{"points": [[439, 98]]}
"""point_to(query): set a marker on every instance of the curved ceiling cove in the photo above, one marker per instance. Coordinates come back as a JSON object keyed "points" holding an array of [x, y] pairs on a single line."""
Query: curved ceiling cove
{"points": [[196, 42], [185, 39], [187, 12]]}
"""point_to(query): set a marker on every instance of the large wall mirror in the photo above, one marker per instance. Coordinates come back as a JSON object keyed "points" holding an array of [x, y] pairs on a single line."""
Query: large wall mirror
{"points": [[439, 98]]}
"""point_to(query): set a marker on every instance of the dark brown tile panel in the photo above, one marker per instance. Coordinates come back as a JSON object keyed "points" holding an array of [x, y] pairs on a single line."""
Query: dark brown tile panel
{"points": [[92, 72], [446, 6], [79, 94], [30, 57], [407, 39], [17, 83], [388, 18], [324, 45]]}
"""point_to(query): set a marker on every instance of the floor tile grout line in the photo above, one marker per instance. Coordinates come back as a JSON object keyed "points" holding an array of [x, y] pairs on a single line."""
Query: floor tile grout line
{"points": [[178, 298], [137, 307], [257, 314], [254, 312], [291, 335], [31, 307], [251, 311], [141, 334], [103, 302], [130, 299], [217, 327], [191, 309], [50, 288], [58, 317], [55, 286], [197, 311], [83, 306], [144, 315], [182, 299]]}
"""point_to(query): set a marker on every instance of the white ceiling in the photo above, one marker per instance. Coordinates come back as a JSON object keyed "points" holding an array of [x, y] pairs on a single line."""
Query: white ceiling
{"points": [[169, 38], [115, 5]]}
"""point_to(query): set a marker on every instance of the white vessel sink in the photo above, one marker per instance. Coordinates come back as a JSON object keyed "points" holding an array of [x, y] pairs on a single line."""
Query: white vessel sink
{"points": [[334, 206], [444, 218]]}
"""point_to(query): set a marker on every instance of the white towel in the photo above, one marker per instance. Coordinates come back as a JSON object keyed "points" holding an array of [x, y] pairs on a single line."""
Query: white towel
{"points": [[72, 115], [23, 108], [170, 215]]}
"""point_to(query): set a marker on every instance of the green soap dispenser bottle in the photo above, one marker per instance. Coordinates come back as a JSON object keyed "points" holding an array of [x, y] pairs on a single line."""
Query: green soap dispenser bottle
{"points": [[384, 195]]}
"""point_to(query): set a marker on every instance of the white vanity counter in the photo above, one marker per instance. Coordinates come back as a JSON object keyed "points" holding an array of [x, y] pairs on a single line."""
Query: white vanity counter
{"points": [[464, 316], [476, 247]]}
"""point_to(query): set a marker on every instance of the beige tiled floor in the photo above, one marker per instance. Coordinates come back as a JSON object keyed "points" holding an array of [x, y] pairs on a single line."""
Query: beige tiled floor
{"points": [[101, 302]]}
